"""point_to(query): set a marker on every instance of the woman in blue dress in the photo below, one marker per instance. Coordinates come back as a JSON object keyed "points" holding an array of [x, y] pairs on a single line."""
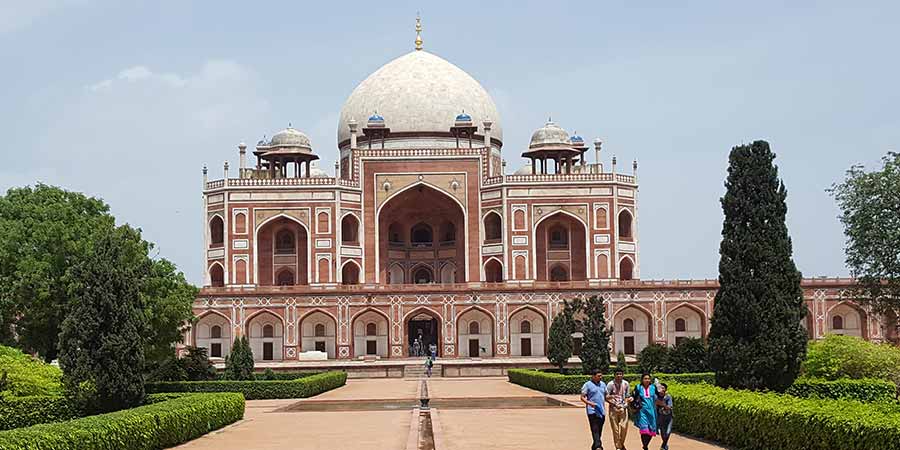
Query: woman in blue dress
{"points": [[646, 415]]}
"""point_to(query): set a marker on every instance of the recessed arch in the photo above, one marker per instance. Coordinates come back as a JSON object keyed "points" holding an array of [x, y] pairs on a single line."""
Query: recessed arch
{"points": [[632, 341], [364, 343], [483, 342], [626, 268], [216, 274], [695, 323], [216, 227], [265, 347], [493, 270], [203, 333], [854, 319], [418, 275], [574, 256], [436, 327], [493, 227], [625, 224], [350, 272], [350, 225], [382, 216], [310, 339], [302, 278], [531, 341]]}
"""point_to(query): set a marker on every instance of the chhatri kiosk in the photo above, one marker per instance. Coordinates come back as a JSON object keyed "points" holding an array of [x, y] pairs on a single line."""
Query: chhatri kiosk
{"points": [[422, 234]]}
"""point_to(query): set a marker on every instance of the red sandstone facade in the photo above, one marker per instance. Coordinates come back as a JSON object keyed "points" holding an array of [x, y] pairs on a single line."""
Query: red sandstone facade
{"points": [[422, 236]]}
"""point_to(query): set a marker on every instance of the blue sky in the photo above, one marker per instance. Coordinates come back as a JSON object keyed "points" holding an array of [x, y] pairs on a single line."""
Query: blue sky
{"points": [[127, 100]]}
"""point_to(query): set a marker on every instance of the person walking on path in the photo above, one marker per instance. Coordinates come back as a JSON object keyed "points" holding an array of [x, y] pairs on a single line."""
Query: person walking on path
{"points": [[645, 397], [664, 415], [429, 363], [618, 399], [593, 395]]}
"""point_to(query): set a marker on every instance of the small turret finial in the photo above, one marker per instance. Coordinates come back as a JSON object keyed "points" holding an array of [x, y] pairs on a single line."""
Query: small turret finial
{"points": [[418, 32]]}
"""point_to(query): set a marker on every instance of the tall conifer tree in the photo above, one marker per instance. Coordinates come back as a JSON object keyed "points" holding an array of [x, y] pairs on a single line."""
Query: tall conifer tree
{"points": [[756, 341], [595, 344]]}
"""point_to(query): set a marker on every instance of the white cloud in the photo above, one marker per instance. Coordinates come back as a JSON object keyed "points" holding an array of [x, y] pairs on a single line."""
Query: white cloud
{"points": [[138, 140]]}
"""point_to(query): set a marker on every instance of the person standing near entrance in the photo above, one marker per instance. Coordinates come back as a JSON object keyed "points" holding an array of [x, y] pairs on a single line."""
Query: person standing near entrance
{"points": [[433, 350], [618, 399], [429, 363], [593, 395]]}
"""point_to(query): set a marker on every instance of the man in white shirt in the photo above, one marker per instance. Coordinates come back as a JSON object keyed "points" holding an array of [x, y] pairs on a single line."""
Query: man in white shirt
{"points": [[618, 399]]}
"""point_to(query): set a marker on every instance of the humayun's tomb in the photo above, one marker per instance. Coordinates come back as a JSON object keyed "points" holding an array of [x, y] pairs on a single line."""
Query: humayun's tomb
{"points": [[422, 234]]}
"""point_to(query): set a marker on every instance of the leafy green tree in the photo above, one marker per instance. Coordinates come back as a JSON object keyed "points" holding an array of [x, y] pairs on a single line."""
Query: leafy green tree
{"points": [[44, 232], [688, 356], [239, 362], [653, 358], [595, 343], [167, 299], [871, 217], [621, 363], [756, 340], [101, 347], [559, 345], [196, 364]]}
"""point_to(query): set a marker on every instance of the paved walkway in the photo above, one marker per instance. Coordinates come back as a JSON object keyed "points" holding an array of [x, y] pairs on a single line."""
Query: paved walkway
{"points": [[267, 427]]}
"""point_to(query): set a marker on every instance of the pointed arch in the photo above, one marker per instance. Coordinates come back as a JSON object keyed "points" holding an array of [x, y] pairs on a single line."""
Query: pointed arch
{"points": [[465, 341], [308, 260], [531, 342], [492, 270], [216, 227], [625, 222], [351, 272], [626, 268], [633, 341], [216, 273], [202, 333], [578, 247], [365, 344], [265, 348], [350, 225], [691, 330], [493, 227]]}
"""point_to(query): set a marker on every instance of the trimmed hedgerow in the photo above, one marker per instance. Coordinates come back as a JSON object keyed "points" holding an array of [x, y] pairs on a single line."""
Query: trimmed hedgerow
{"points": [[156, 426], [554, 383], [260, 390], [20, 412], [865, 390], [761, 421]]}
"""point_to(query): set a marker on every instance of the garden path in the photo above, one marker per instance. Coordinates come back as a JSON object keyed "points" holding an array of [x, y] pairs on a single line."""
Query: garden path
{"points": [[505, 417]]}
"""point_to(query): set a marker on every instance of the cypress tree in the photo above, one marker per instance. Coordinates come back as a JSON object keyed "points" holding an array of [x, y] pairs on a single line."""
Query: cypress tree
{"points": [[559, 345], [756, 340], [101, 346], [239, 362], [595, 343]]}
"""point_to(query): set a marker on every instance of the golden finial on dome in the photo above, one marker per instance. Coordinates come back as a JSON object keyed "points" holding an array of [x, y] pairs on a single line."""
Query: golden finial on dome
{"points": [[418, 32]]}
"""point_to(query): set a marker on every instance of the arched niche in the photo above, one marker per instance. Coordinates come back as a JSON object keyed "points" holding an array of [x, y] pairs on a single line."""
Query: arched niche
{"points": [[366, 344], [560, 244], [212, 331], [631, 330], [684, 322], [265, 332], [317, 332], [527, 329], [475, 333], [282, 243]]}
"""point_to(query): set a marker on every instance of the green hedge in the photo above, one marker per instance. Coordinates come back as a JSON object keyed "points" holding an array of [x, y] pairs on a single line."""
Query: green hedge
{"points": [[554, 383], [761, 421], [866, 390], [259, 390], [156, 426], [18, 412]]}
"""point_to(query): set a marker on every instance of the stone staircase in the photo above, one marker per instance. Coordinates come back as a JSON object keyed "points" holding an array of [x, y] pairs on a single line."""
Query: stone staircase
{"points": [[418, 370]]}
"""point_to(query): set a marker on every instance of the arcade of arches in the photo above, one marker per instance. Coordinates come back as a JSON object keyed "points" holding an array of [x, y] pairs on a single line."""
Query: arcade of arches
{"points": [[560, 243], [421, 245]]}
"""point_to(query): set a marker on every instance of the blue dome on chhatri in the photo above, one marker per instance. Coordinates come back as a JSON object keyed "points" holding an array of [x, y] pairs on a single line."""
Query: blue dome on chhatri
{"points": [[376, 117], [463, 118], [576, 139]]}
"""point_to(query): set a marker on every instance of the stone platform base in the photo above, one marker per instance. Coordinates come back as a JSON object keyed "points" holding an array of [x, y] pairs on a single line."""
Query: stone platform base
{"points": [[394, 367]]}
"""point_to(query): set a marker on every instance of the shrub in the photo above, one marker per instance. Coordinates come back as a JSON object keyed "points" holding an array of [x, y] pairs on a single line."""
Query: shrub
{"points": [[156, 426], [260, 390], [688, 356], [653, 358], [838, 357], [239, 363], [555, 383], [24, 375], [762, 421], [272, 375], [866, 390]]}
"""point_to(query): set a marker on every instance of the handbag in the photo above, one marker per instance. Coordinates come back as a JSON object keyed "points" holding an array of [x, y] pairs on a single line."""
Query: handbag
{"points": [[637, 402]]}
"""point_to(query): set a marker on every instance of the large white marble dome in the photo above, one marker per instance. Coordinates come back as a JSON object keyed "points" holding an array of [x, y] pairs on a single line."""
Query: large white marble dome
{"points": [[419, 92]]}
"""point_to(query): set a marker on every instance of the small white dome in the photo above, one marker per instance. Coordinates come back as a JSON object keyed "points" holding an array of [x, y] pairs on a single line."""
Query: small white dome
{"points": [[524, 170], [550, 135], [290, 137]]}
